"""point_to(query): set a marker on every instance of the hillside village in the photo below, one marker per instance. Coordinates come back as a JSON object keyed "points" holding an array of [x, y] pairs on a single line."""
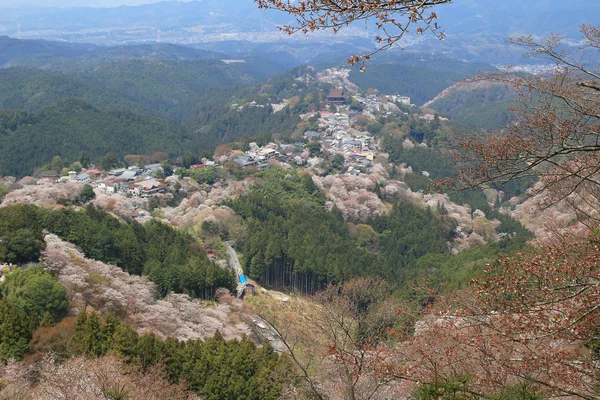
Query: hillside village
{"points": [[276, 221], [335, 137], [336, 147]]}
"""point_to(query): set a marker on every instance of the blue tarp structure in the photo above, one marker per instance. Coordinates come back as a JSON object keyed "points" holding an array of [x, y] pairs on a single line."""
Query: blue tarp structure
{"points": [[243, 279]]}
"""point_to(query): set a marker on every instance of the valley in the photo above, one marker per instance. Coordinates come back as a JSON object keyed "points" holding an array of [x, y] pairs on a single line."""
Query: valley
{"points": [[220, 213]]}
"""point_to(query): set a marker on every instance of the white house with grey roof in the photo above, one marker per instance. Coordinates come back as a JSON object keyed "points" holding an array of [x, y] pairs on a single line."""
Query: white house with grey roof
{"points": [[83, 178]]}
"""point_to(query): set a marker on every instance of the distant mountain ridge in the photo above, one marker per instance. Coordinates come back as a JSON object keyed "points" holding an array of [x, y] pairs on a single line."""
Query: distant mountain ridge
{"points": [[241, 15], [61, 55], [38, 52], [504, 17], [475, 29], [517, 17]]}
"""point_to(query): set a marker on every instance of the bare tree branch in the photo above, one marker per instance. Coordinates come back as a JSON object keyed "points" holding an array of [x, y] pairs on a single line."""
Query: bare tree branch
{"points": [[393, 18]]}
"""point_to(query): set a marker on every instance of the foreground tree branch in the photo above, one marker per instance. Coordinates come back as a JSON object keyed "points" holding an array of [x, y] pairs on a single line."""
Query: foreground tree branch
{"points": [[393, 18], [533, 321], [555, 132]]}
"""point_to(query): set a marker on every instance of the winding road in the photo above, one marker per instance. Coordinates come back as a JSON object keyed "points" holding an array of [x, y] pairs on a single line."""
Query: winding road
{"points": [[236, 267], [263, 329], [234, 262]]}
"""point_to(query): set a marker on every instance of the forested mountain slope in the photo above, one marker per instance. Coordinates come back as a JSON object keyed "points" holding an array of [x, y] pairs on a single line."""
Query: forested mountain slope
{"points": [[72, 56], [162, 85], [154, 51], [37, 52], [116, 108], [29, 89], [476, 104], [162, 80], [420, 77], [67, 127], [167, 89]]}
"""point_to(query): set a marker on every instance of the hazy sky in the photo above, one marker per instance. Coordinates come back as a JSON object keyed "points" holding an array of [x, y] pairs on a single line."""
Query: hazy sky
{"points": [[74, 3]]}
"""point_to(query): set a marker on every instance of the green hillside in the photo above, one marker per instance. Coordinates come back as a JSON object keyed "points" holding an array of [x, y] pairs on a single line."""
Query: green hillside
{"points": [[148, 52], [482, 106], [155, 51], [162, 85], [37, 52], [420, 80], [30, 140], [135, 107], [166, 89], [29, 89]]}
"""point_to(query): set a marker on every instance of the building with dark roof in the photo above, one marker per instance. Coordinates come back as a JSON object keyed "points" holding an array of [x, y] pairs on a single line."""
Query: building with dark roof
{"points": [[336, 96]]}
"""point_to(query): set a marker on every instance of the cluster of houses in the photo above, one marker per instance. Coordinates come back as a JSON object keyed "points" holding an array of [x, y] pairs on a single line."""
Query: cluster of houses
{"points": [[371, 102], [375, 104], [259, 156], [333, 122], [404, 100], [335, 134], [133, 181], [358, 152], [338, 136]]}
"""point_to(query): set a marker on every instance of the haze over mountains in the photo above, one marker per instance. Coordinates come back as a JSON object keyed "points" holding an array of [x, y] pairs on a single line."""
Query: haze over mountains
{"points": [[109, 60], [476, 28], [143, 103]]}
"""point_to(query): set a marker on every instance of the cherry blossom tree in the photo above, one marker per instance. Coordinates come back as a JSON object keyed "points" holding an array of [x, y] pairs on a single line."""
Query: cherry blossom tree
{"points": [[44, 194], [107, 288], [532, 321], [106, 377], [392, 18], [555, 132], [354, 196]]}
